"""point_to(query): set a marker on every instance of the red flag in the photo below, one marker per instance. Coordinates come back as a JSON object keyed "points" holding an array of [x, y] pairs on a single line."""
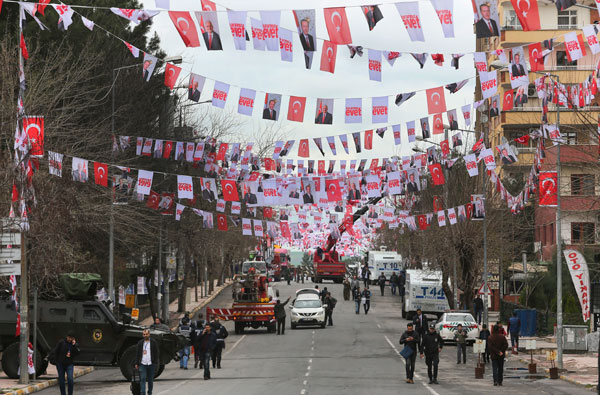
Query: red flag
{"points": [[171, 74], [423, 225], [528, 14], [101, 173], [18, 329], [328, 55], [337, 25], [222, 222], [548, 188], [438, 204], [594, 86], [523, 139], [438, 124], [267, 212], [222, 151], [581, 99], [507, 102], [469, 210], [444, 144], [582, 42], [536, 59], [285, 229], [34, 129], [185, 27], [437, 175], [230, 191], [436, 102], [334, 191], [208, 5], [303, 150], [296, 109], [167, 148], [15, 193], [24, 51], [153, 200], [368, 139]]}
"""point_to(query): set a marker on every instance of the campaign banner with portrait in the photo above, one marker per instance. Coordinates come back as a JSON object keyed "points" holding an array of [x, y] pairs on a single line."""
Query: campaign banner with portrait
{"points": [[353, 110], [272, 107], [372, 14], [305, 21], [209, 25], [209, 189], [79, 169], [148, 66], [518, 69], [324, 112], [487, 20], [425, 130]]}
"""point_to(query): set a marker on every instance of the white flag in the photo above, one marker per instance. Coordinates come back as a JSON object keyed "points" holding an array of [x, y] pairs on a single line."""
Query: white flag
{"points": [[237, 25], [258, 228], [581, 280], [178, 211], [246, 101], [489, 83], [285, 45], [373, 186], [246, 227], [258, 35], [592, 37], [374, 65], [409, 12], [144, 183], [185, 187], [452, 216], [354, 110], [220, 94], [270, 22], [90, 24], [379, 109], [411, 131], [445, 12], [471, 165], [441, 218]]}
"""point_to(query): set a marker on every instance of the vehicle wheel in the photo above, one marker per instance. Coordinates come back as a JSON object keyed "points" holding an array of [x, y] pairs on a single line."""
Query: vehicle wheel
{"points": [[293, 325], [10, 361], [239, 328], [323, 325], [127, 362], [159, 371]]}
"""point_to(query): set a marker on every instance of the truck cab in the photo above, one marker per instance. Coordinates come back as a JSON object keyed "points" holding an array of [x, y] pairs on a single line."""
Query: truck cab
{"points": [[423, 290], [383, 262]]}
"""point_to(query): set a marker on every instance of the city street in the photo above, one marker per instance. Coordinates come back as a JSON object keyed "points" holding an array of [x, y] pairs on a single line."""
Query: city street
{"points": [[358, 355]]}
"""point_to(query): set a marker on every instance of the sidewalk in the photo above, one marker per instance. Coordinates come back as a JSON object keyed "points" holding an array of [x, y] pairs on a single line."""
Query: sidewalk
{"points": [[12, 387], [579, 369], [192, 307]]}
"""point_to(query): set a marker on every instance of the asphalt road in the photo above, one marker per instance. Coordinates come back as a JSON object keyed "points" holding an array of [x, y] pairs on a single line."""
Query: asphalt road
{"points": [[358, 355]]}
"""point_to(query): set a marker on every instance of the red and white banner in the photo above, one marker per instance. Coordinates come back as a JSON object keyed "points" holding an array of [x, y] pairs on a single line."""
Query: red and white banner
{"points": [[373, 186], [441, 218], [246, 101], [55, 163], [411, 131], [480, 59], [34, 129], [271, 197], [185, 187], [548, 188], [171, 75], [437, 174], [452, 216], [179, 210], [488, 158], [337, 25], [296, 109], [572, 45], [344, 141], [581, 280], [328, 56], [466, 110], [438, 124], [436, 101], [237, 25], [374, 65], [528, 14], [445, 12], [592, 38], [270, 22], [331, 143], [471, 164], [397, 134], [219, 96], [185, 27], [258, 35], [409, 12], [353, 111], [144, 182], [147, 149], [222, 222], [380, 109], [368, 139], [285, 45], [236, 207], [101, 173], [221, 205], [258, 228], [489, 83], [246, 227], [508, 100], [394, 184], [65, 13]]}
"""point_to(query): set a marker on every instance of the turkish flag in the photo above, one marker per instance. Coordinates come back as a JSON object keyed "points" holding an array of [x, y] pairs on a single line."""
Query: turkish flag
{"points": [[222, 151], [438, 124], [438, 204], [296, 109], [581, 99], [153, 200], [368, 139], [337, 25], [185, 27], [328, 55], [101, 173], [24, 51], [267, 212], [582, 42], [285, 230], [423, 225], [436, 102], [528, 14], [167, 148], [548, 188], [230, 191], [208, 5], [39, 7], [523, 139], [469, 210], [303, 150], [594, 86], [34, 129], [171, 74], [269, 164], [222, 222], [437, 175], [508, 100], [334, 191], [444, 144], [536, 59]]}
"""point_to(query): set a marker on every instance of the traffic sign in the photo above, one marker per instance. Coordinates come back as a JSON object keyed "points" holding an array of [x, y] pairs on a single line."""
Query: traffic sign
{"points": [[129, 301], [135, 314], [483, 290], [11, 269]]}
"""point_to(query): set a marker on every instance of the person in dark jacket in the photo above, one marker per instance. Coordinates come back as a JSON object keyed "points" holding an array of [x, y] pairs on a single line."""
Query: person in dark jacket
{"points": [[478, 307], [381, 282], [146, 361], [393, 283], [484, 334], [497, 346], [460, 336], [207, 342], [431, 346], [346, 289], [197, 329], [222, 334], [514, 327], [354, 284], [66, 350], [280, 315], [330, 302], [410, 338], [356, 296], [365, 298], [420, 322]]}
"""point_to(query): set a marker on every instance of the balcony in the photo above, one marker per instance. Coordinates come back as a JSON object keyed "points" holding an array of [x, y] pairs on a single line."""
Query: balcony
{"points": [[572, 154], [532, 117]]}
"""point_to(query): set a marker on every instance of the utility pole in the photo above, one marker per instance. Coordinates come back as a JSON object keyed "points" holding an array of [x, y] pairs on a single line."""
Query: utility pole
{"points": [[160, 276], [485, 255], [559, 314], [166, 295]]}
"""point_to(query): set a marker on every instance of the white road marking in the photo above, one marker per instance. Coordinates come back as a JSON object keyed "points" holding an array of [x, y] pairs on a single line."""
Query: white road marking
{"points": [[312, 349], [235, 344], [307, 374], [313, 332], [310, 361], [305, 381], [378, 326], [392, 345], [303, 391], [308, 368]]}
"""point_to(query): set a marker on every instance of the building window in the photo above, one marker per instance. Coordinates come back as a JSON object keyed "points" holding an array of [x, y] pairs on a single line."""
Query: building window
{"points": [[567, 19], [583, 184], [511, 22], [563, 61], [583, 232], [512, 135], [569, 137]]}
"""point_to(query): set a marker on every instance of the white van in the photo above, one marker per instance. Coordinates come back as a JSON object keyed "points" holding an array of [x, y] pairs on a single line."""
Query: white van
{"points": [[386, 262], [423, 290]]}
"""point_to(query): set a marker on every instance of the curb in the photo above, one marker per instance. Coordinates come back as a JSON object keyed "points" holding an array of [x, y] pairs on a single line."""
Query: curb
{"points": [[207, 301], [48, 383], [569, 380]]}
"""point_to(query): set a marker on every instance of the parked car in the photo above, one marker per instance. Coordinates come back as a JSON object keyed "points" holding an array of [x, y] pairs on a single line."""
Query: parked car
{"points": [[448, 322]]}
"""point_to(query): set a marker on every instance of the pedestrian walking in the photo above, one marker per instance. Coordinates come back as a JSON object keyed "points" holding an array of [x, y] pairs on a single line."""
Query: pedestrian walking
{"points": [[197, 330], [401, 282], [330, 302], [484, 334], [431, 346], [62, 356], [207, 342], [280, 315], [497, 346], [420, 322], [366, 273], [356, 295], [366, 299], [185, 320], [381, 281], [410, 340], [222, 334], [478, 307], [514, 328], [185, 329], [460, 336], [159, 325], [501, 329], [393, 283], [146, 361], [346, 289], [322, 294], [354, 284]]}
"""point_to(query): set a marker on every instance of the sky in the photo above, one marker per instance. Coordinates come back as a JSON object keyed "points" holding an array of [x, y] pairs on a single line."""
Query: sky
{"points": [[264, 71]]}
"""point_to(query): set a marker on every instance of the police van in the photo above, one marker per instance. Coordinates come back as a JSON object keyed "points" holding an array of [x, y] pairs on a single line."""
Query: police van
{"points": [[423, 290], [382, 261]]}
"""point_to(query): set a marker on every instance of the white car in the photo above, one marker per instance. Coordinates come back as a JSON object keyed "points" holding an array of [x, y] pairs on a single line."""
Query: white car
{"points": [[307, 310], [448, 322]]}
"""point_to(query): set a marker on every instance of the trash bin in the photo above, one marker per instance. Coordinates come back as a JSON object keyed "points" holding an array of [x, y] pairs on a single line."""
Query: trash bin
{"points": [[528, 318]]}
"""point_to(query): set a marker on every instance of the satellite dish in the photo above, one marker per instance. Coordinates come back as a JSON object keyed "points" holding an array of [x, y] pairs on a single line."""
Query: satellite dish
{"points": [[483, 107], [484, 118], [514, 150], [503, 140]]}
